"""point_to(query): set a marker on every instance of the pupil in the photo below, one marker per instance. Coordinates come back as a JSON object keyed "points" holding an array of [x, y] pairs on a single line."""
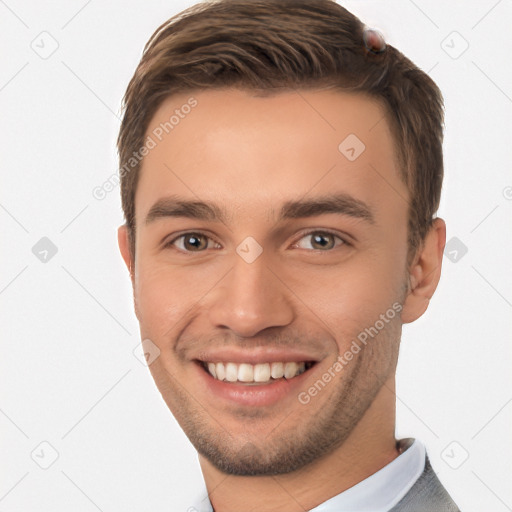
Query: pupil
{"points": [[321, 240], [194, 241]]}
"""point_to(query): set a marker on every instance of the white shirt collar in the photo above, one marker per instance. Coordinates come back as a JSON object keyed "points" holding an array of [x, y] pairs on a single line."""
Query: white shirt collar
{"points": [[385, 488], [377, 493]]}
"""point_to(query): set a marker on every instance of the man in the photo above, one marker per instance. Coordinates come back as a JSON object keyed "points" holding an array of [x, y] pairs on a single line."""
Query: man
{"points": [[281, 167]]}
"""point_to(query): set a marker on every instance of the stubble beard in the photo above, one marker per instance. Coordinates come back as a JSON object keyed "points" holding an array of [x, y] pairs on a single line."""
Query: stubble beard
{"points": [[289, 447]]}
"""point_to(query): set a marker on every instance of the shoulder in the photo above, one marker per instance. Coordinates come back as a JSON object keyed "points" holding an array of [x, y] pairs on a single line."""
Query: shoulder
{"points": [[426, 495]]}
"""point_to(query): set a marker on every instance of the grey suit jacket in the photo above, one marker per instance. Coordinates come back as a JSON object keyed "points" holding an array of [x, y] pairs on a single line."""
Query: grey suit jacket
{"points": [[426, 495]]}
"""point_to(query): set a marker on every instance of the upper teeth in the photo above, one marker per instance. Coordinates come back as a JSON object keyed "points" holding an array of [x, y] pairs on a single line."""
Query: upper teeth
{"points": [[262, 372]]}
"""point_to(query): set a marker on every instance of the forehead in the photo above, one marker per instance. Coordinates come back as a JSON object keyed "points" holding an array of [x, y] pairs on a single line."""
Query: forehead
{"points": [[251, 152]]}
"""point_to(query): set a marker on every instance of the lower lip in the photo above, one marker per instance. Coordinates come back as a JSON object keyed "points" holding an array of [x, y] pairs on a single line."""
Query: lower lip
{"points": [[252, 395]]}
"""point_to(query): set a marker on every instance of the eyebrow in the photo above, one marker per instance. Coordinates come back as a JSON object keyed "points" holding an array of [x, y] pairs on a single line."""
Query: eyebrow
{"points": [[342, 204]]}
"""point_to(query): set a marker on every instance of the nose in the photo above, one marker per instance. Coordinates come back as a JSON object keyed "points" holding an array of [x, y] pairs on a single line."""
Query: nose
{"points": [[250, 298]]}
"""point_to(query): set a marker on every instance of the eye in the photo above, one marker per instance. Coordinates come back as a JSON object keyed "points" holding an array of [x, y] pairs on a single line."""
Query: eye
{"points": [[192, 242], [320, 240], [199, 242]]}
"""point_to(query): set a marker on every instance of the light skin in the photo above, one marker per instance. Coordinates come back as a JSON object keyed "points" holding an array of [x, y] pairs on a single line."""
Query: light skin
{"points": [[308, 290]]}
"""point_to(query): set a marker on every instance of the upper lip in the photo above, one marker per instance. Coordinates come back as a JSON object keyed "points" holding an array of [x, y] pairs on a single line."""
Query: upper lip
{"points": [[255, 356]]}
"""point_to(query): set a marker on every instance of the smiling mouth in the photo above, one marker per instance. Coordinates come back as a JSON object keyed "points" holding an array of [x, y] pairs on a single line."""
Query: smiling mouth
{"points": [[261, 373]]}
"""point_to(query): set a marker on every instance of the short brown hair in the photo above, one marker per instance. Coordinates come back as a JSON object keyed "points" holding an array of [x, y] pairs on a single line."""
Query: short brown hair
{"points": [[272, 46]]}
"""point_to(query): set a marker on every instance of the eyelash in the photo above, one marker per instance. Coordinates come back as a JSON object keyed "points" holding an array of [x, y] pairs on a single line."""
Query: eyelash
{"points": [[343, 241]]}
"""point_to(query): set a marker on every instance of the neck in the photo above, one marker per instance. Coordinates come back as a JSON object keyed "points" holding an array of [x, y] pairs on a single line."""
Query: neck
{"points": [[370, 447]]}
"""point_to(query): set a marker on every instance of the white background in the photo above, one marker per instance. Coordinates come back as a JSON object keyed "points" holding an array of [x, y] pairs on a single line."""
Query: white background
{"points": [[68, 373]]}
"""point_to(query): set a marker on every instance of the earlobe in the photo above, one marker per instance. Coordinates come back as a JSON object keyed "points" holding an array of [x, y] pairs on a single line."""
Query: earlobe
{"points": [[123, 241], [425, 272]]}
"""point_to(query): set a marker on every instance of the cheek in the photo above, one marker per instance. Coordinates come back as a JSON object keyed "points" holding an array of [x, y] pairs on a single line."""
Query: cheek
{"points": [[351, 297], [161, 301], [165, 295]]}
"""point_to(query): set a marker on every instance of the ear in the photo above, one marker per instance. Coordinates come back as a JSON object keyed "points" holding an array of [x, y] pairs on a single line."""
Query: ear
{"points": [[425, 272], [123, 239]]}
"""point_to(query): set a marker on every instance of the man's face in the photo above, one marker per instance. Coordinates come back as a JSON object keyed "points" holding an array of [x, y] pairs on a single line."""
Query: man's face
{"points": [[271, 282]]}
